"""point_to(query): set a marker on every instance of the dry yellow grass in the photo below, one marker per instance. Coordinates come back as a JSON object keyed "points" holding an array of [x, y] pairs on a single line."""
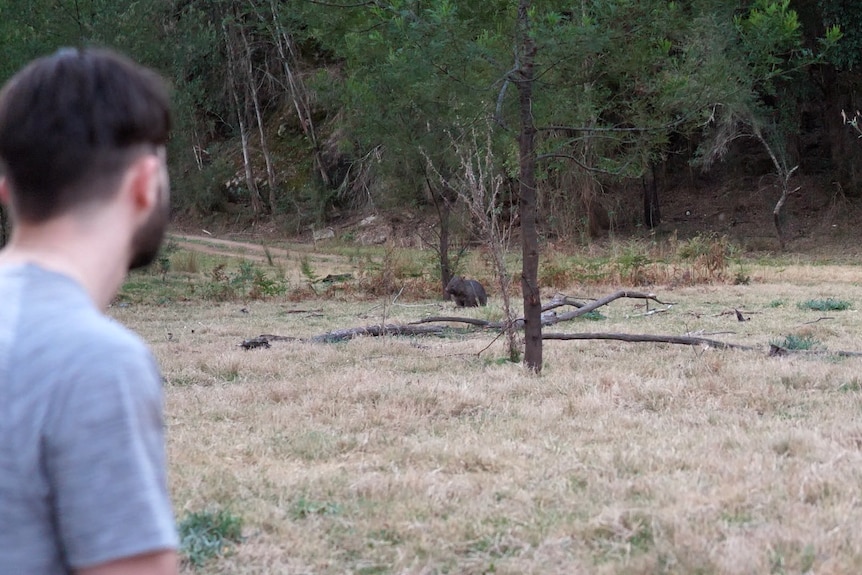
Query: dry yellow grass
{"points": [[419, 456]]}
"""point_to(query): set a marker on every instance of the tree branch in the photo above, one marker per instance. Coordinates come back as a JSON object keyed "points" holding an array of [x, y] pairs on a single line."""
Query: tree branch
{"points": [[599, 303], [650, 338]]}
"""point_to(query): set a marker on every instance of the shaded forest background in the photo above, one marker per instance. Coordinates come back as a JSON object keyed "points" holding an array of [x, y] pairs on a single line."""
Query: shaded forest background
{"points": [[305, 113]]}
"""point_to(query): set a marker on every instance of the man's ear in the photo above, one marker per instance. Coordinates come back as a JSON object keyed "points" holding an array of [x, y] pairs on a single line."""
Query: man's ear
{"points": [[5, 195], [143, 183]]}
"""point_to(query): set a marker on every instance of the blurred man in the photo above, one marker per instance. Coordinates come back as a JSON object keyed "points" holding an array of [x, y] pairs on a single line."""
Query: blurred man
{"points": [[82, 459]]}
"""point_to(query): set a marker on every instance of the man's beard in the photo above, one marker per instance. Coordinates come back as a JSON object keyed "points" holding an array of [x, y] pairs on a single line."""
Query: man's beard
{"points": [[148, 238]]}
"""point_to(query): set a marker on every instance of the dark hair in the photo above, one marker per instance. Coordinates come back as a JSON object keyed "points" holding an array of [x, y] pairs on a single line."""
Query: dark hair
{"points": [[70, 125]]}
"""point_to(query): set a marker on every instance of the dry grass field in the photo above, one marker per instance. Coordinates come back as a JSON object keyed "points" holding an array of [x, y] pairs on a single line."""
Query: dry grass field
{"points": [[431, 455]]}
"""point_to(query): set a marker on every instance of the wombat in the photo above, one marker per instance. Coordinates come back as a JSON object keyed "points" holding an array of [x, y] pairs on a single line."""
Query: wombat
{"points": [[466, 293]]}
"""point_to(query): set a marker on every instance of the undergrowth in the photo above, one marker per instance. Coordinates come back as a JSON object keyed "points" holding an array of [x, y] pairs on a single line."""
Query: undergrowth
{"points": [[703, 259], [411, 274]]}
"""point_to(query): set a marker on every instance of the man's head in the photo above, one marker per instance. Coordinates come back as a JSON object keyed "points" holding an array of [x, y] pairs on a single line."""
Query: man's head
{"points": [[71, 126]]}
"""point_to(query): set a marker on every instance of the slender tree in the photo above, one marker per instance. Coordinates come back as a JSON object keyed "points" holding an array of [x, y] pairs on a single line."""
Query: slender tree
{"points": [[524, 78]]}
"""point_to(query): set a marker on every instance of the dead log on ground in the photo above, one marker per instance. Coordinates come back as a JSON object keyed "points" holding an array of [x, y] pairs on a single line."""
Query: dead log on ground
{"points": [[560, 300], [456, 319], [263, 341], [651, 338], [413, 328], [778, 351], [548, 319], [551, 320], [376, 330]]}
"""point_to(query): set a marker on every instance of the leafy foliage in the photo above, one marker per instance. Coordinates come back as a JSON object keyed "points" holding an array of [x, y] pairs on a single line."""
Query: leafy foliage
{"points": [[846, 18], [351, 95]]}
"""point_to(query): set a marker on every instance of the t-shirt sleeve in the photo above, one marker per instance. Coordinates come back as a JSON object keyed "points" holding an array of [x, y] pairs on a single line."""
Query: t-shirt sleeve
{"points": [[105, 459]]}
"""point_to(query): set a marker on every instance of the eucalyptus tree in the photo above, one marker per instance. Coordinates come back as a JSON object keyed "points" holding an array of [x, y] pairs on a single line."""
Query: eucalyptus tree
{"points": [[576, 92]]}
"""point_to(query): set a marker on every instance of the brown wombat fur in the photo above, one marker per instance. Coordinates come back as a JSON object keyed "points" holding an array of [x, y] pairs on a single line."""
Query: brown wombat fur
{"points": [[466, 293]]}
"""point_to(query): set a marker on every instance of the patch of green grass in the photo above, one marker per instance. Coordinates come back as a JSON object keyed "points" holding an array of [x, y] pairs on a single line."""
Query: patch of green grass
{"points": [[849, 386], [642, 537], [303, 508], [142, 287], [207, 534], [499, 361], [809, 556], [268, 255], [631, 261], [737, 517], [792, 341], [185, 262], [593, 316], [828, 304], [776, 303], [307, 269]]}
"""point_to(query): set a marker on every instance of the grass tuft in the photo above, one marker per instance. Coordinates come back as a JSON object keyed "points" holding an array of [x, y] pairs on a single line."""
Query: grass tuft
{"points": [[207, 534], [828, 304], [303, 507], [801, 342], [185, 262]]}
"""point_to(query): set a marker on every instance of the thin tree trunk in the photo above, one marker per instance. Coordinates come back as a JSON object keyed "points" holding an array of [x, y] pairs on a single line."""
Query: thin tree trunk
{"points": [[784, 174], [652, 213], [264, 148], [298, 93], [527, 164], [243, 131], [444, 212]]}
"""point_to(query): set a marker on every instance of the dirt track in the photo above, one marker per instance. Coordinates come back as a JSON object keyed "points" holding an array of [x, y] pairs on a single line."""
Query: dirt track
{"points": [[248, 250], [287, 257]]}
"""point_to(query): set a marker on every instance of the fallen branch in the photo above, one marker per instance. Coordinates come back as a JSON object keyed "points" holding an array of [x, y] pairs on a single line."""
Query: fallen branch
{"points": [[778, 351], [818, 319], [560, 300], [289, 311], [455, 319], [414, 328], [264, 340], [649, 338], [376, 330], [551, 320]]}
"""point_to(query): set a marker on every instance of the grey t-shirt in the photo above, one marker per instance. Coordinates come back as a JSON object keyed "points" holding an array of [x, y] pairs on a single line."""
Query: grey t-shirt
{"points": [[82, 456]]}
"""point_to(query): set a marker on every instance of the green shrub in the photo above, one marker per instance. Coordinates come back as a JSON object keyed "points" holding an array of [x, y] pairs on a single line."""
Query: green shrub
{"points": [[247, 282]]}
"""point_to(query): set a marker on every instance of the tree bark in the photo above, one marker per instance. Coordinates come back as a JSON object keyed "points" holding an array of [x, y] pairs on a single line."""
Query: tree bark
{"points": [[652, 338], [524, 78], [241, 107], [652, 213], [444, 213], [298, 93], [264, 148], [442, 197]]}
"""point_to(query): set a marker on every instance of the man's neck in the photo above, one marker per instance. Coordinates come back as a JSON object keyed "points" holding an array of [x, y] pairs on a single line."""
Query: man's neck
{"points": [[82, 257]]}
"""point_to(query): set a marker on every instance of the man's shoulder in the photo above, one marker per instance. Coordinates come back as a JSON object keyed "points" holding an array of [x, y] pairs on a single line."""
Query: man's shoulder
{"points": [[53, 303], [55, 325]]}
